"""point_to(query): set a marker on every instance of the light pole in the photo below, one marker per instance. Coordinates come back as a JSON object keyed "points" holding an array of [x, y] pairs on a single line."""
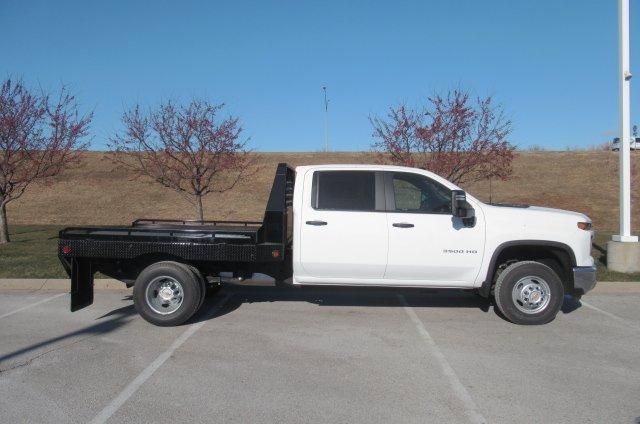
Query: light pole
{"points": [[326, 119], [623, 251], [625, 127]]}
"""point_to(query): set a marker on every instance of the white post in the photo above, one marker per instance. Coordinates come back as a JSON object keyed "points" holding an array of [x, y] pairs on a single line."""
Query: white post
{"points": [[625, 127]]}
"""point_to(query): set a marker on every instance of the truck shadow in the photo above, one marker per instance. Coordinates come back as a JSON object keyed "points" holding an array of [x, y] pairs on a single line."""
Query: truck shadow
{"points": [[322, 296], [355, 296], [115, 319]]}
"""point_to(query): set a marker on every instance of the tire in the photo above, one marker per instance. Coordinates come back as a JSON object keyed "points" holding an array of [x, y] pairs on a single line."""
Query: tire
{"points": [[203, 283], [529, 293], [155, 298]]}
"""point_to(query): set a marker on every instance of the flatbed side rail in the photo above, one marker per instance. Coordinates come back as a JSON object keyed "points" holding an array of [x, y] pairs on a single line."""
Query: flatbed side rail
{"points": [[150, 221], [152, 234], [189, 250]]}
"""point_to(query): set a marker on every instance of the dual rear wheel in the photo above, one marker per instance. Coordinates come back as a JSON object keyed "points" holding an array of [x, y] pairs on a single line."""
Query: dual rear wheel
{"points": [[169, 293]]}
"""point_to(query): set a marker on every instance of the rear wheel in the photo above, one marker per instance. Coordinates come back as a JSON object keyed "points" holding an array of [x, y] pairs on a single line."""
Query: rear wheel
{"points": [[167, 293], [529, 293], [201, 279]]}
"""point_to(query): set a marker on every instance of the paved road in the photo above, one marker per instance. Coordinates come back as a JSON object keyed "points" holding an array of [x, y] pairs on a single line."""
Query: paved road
{"points": [[264, 355]]}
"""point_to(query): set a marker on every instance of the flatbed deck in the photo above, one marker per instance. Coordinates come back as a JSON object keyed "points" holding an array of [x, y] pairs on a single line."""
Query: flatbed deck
{"points": [[241, 247]]}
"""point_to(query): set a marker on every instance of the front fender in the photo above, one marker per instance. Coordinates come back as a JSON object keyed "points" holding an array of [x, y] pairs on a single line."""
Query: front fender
{"points": [[485, 287]]}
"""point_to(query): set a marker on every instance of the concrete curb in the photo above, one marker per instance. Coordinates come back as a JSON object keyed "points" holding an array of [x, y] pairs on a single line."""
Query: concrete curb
{"points": [[55, 284], [616, 287], [63, 284]]}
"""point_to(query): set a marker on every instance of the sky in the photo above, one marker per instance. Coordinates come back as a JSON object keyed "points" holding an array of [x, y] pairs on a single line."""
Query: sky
{"points": [[552, 64]]}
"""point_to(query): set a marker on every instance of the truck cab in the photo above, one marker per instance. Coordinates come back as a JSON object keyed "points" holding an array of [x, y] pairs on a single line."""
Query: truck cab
{"points": [[389, 225], [381, 225]]}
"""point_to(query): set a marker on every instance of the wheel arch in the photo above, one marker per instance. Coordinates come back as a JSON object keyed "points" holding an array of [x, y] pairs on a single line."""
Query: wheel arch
{"points": [[559, 256]]}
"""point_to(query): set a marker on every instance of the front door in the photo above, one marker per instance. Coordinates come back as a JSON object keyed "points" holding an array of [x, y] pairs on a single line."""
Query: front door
{"points": [[427, 244], [344, 227]]}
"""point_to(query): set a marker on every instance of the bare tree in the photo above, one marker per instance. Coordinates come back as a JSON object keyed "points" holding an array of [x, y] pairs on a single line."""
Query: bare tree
{"points": [[39, 138], [461, 140], [186, 148]]}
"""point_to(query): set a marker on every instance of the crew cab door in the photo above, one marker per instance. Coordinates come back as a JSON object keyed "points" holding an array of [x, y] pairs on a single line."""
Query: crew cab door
{"points": [[343, 231], [427, 244]]}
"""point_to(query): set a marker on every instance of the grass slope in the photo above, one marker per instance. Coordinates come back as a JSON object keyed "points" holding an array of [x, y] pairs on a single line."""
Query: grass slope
{"points": [[98, 192]]}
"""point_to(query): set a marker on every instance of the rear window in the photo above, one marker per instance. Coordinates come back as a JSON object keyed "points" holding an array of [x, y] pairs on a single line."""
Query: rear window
{"points": [[344, 190]]}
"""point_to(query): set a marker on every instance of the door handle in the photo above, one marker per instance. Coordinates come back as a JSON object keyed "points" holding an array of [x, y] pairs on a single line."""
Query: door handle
{"points": [[316, 223], [402, 225]]}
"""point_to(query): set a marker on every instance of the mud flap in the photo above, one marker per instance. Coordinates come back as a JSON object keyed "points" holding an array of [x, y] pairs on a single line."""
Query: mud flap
{"points": [[81, 284]]}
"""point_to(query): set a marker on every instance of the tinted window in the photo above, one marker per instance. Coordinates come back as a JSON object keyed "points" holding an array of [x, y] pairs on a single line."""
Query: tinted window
{"points": [[344, 190], [417, 193]]}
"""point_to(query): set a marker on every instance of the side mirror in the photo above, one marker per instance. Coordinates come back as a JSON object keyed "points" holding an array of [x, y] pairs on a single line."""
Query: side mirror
{"points": [[459, 203], [461, 209]]}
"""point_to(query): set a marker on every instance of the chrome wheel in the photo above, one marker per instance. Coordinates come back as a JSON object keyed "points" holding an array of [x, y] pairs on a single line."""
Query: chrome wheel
{"points": [[531, 295], [164, 295]]}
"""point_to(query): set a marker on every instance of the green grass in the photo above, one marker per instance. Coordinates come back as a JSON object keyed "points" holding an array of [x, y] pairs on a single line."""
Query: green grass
{"points": [[599, 253], [33, 254]]}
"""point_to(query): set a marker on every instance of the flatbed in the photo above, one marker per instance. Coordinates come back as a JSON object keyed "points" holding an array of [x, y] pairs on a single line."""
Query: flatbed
{"points": [[122, 252]]}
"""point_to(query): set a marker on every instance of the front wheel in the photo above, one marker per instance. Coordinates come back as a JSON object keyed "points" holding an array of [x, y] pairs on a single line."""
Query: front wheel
{"points": [[529, 293], [167, 293]]}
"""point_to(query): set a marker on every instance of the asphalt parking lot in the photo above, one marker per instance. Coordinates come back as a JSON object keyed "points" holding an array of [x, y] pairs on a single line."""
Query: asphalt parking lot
{"points": [[265, 355]]}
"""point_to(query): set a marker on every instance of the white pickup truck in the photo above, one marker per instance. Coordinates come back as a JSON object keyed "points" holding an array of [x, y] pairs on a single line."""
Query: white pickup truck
{"points": [[347, 225]]}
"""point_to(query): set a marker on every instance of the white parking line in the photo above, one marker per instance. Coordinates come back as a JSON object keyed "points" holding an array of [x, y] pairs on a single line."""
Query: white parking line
{"points": [[610, 315], [470, 407], [132, 387], [32, 305]]}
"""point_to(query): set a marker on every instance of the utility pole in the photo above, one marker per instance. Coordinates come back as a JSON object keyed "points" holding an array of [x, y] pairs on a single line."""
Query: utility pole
{"points": [[623, 251], [326, 119], [625, 127]]}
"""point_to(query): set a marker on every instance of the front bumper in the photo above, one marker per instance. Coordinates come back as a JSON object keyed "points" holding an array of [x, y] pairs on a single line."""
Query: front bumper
{"points": [[584, 279]]}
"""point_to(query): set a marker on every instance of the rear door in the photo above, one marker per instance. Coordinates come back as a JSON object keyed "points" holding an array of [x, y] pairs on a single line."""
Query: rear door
{"points": [[344, 227]]}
